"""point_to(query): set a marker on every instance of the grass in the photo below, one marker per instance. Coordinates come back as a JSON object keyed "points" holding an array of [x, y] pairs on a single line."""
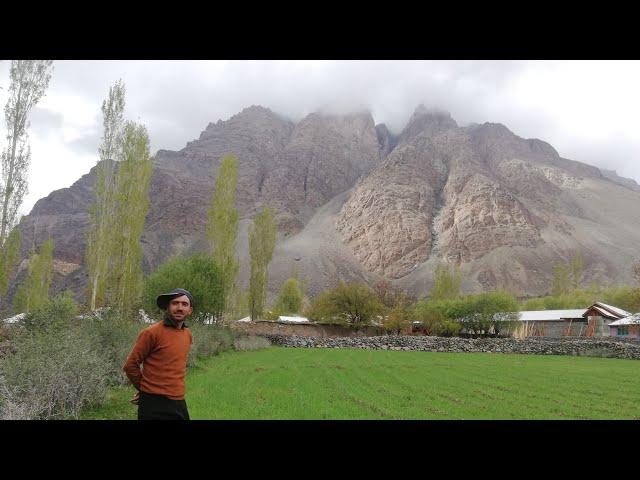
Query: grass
{"points": [[285, 383]]}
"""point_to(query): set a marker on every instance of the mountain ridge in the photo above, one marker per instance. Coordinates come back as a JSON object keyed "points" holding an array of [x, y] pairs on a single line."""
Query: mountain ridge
{"points": [[434, 192]]}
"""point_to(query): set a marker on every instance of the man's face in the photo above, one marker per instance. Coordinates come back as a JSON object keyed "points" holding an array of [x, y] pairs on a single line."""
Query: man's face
{"points": [[179, 308]]}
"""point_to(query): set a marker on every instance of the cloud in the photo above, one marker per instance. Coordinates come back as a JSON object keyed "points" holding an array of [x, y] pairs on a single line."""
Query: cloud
{"points": [[85, 144], [585, 109], [44, 121]]}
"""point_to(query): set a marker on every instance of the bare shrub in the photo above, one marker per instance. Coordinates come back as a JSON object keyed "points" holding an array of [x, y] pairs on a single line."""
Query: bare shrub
{"points": [[524, 330], [115, 336], [244, 344], [52, 374], [209, 341]]}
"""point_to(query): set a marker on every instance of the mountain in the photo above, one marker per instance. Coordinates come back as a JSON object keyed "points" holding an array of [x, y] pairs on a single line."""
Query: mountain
{"points": [[355, 201]]}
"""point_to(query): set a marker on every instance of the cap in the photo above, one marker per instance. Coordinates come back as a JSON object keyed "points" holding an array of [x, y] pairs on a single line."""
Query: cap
{"points": [[164, 298]]}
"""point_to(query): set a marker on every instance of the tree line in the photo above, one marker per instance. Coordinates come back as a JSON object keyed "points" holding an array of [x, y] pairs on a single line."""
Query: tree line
{"points": [[114, 251]]}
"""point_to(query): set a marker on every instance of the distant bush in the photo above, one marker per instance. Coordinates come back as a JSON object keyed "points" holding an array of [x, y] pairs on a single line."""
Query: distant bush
{"points": [[199, 274], [209, 341], [353, 304], [290, 298], [251, 342], [485, 313], [272, 314], [55, 313], [115, 336]]}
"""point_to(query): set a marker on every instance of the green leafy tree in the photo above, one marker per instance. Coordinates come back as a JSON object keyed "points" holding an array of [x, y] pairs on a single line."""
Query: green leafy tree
{"points": [[560, 285], [489, 312], [262, 242], [9, 258], [497, 311], [534, 304], [398, 317], [447, 281], [222, 226], [355, 304], [29, 80], [55, 313], [124, 275], [240, 301], [100, 240], [35, 291], [290, 298], [199, 274]]}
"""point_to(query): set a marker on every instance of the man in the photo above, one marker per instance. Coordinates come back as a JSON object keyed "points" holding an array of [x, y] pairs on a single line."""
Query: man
{"points": [[162, 350]]}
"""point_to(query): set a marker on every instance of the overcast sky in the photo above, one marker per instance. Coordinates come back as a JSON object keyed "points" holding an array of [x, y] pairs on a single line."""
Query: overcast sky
{"points": [[587, 110]]}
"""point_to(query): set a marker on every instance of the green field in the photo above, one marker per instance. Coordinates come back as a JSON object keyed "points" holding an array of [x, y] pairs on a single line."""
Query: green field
{"points": [[286, 383]]}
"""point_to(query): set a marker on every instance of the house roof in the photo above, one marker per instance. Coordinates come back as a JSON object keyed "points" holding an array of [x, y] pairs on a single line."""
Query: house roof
{"points": [[551, 315], [630, 320], [284, 319], [608, 311]]}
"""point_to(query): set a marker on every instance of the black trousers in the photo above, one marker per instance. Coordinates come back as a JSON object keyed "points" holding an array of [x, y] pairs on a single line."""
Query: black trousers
{"points": [[158, 407]]}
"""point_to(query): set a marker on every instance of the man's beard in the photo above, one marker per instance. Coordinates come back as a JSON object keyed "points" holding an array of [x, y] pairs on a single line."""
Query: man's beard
{"points": [[171, 318]]}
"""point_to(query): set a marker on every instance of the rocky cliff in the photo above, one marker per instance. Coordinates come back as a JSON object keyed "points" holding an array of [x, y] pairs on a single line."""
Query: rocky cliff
{"points": [[355, 201]]}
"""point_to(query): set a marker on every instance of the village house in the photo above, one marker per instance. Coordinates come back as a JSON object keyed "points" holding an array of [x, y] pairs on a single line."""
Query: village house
{"points": [[593, 321], [555, 323], [626, 327]]}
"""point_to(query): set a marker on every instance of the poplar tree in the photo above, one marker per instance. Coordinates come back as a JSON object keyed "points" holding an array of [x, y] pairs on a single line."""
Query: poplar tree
{"points": [[560, 284], [222, 227], [9, 258], [29, 80], [290, 298], [124, 277], [262, 242], [102, 213], [35, 291], [447, 281]]}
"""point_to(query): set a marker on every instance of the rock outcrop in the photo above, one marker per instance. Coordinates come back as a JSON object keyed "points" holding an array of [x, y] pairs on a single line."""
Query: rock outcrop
{"points": [[357, 202]]}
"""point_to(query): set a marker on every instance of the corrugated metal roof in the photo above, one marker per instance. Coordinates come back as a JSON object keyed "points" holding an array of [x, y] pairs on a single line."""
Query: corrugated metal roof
{"points": [[602, 312], [550, 315], [293, 319], [620, 313], [630, 320]]}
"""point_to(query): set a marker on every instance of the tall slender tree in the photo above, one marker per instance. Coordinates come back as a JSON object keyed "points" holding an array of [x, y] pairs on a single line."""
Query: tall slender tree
{"points": [[560, 285], [124, 276], [102, 214], [35, 290], [9, 257], [222, 226], [447, 281], [29, 80], [262, 242]]}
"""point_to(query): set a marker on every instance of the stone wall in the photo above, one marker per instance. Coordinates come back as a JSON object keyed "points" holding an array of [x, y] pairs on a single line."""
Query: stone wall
{"points": [[580, 346], [315, 330]]}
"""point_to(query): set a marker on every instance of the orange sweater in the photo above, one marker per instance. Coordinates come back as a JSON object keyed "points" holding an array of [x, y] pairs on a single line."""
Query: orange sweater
{"points": [[163, 350]]}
